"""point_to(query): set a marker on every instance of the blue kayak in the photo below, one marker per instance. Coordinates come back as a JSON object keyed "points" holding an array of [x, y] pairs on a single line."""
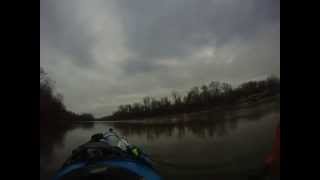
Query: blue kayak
{"points": [[107, 156]]}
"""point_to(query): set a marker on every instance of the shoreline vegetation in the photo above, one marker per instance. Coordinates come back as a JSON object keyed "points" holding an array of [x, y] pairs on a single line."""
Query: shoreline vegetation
{"points": [[213, 96], [273, 101]]}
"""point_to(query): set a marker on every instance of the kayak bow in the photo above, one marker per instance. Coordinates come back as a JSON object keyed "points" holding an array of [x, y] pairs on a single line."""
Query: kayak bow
{"points": [[107, 156]]}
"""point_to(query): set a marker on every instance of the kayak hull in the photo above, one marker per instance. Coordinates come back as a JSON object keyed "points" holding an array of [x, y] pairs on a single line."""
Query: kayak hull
{"points": [[136, 167]]}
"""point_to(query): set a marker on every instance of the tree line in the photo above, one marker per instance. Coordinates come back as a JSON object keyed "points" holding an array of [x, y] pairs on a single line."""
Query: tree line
{"points": [[214, 94], [52, 109]]}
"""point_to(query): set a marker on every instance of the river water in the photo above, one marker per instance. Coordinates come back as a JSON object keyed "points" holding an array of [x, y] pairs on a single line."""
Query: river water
{"points": [[229, 144]]}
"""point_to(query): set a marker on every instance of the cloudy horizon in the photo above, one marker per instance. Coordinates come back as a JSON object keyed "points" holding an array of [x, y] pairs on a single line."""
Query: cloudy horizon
{"points": [[104, 53]]}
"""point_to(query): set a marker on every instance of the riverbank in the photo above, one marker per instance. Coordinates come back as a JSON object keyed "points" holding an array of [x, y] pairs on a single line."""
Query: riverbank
{"points": [[244, 103]]}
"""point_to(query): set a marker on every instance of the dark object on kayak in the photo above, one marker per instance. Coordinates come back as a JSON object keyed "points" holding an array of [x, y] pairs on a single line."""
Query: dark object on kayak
{"points": [[107, 156]]}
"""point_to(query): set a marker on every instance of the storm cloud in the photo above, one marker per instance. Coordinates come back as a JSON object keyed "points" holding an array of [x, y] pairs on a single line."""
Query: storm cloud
{"points": [[103, 53]]}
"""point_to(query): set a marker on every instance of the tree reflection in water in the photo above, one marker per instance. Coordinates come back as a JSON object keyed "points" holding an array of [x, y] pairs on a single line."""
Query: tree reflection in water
{"points": [[52, 136], [208, 124]]}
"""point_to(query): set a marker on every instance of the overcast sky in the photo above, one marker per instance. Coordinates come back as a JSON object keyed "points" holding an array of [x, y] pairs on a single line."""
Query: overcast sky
{"points": [[103, 53]]}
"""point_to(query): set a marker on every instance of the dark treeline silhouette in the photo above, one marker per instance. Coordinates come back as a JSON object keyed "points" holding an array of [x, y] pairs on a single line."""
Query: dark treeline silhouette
{"points": [[54, 117], [51, 103], [215, 94]]}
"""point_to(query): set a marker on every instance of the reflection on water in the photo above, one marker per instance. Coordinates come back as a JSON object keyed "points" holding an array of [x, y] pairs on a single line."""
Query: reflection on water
{"points": [[203, 125], [217, 144], [52, 141]]}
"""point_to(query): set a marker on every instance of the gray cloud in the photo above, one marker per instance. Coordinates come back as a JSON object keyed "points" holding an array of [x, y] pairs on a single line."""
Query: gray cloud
{"points": [[61, 27], [165, 29], [105, 53]]}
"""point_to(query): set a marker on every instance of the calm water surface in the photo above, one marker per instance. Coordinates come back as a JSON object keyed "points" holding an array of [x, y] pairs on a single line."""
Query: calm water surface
{"points": [[208, 145]]}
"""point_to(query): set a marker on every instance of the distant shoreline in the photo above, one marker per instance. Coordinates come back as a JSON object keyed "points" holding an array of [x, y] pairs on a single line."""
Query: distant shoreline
{"points": [[247, 102], [215, 96]]}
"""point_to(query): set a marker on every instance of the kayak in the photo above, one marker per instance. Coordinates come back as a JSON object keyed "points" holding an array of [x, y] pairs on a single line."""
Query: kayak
{"points": [[107, 156]]}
